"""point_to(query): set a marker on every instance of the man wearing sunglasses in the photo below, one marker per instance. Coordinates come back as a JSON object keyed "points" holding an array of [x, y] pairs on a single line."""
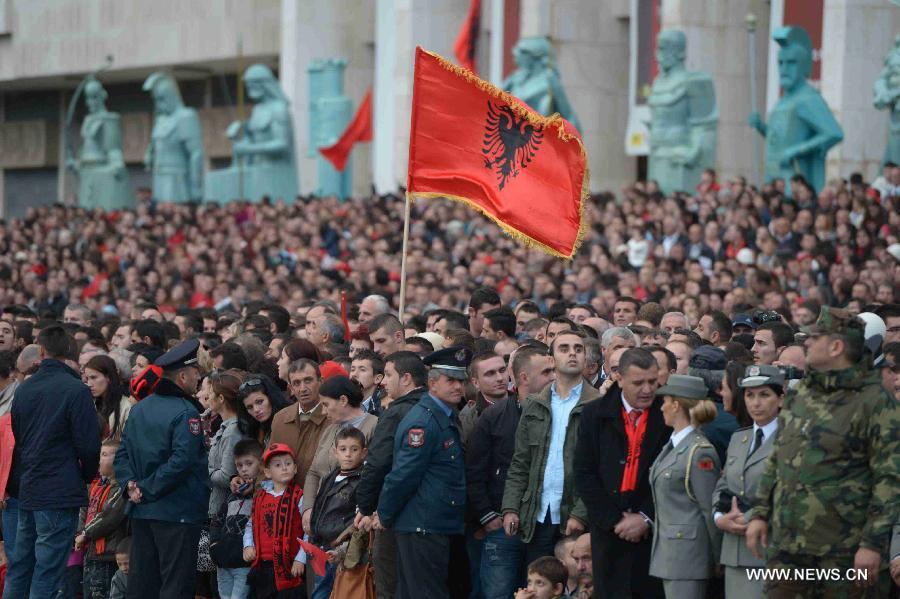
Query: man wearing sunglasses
{"points": [[162, 465]]}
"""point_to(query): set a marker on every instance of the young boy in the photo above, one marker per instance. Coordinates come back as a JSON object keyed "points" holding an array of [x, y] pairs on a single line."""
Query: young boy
{"points": [[335, 505], [119, 583], [227, 531], [271, 539], [103, 526], [546, 580], [563, 552]]}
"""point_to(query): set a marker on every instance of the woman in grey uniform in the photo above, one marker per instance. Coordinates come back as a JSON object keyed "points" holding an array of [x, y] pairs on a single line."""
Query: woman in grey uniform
{"points": [[747, 452], [685, 540]]}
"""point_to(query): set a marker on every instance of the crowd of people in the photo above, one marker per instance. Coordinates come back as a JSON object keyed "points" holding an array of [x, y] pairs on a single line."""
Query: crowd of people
{"points": [[223, 401]]}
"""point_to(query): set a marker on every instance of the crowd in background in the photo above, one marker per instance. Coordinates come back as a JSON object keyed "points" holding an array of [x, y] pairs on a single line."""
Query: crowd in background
{"points": [[695, 330]]}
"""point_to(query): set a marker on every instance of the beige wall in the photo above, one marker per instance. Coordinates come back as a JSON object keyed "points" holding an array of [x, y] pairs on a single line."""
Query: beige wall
{"points": [[60, 37], [333, 29], [858, 34]]}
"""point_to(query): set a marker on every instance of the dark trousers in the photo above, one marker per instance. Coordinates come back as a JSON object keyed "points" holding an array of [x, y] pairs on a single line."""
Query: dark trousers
{"points": [[163, 559], [621, 568], [262, 584], [97, 577], [423, 561], [385, 558], [543, 541]]}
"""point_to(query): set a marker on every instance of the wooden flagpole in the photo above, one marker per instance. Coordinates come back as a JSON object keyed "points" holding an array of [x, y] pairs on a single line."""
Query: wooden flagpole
{"points": [[406, 217]]}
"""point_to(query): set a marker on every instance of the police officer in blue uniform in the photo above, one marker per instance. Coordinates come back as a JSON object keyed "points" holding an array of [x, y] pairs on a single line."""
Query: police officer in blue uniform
{"points": [[162, 465], [423, 498]]}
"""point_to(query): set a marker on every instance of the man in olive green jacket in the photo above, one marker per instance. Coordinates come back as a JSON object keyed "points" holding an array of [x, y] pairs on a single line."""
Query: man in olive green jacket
{"points": [[539, 501]]}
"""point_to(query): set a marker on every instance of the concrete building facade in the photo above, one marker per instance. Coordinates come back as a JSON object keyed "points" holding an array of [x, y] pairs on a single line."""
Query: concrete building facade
{"points": [[47, 46]]}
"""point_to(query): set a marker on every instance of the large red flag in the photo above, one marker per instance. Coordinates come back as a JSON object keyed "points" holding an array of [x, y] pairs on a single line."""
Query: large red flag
{"points": [[359, 129], [466, 41], [474, 143]]}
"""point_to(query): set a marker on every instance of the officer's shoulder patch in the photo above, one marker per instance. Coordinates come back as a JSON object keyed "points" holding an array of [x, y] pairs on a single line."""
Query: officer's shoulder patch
{"points": [[415, 437], [194, 426], [705, 464]]}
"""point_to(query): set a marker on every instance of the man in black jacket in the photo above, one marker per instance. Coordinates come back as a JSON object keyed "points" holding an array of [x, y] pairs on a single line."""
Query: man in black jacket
{"points": [[490, 450], [57, 453], [613, 479], [404, 379]]}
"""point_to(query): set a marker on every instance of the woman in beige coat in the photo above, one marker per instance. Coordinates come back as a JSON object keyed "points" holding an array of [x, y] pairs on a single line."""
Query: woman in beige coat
{"points": [[685, 540], [734, 494]]}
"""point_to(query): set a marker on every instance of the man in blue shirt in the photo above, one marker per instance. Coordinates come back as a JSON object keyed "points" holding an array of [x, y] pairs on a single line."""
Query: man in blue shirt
{"points": [[539, 501], [424, 497]]}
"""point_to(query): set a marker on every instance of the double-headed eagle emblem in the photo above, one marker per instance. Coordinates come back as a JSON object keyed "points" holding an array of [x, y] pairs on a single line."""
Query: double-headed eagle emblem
{"points": [[510, 142]]}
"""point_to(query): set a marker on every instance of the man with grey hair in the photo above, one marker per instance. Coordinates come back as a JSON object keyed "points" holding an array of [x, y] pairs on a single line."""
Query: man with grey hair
{"points": [[28, 361], [613, 339], [371, 307], [326, 329], [673, 320], [77, 314]]}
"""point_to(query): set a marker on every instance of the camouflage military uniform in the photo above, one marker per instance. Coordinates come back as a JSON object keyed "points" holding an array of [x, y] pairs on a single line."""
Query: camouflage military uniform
{"points": [[832, 483]]}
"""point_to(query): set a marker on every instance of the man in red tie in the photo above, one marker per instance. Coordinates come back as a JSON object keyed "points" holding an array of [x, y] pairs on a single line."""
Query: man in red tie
{"points": [[621, 435]]}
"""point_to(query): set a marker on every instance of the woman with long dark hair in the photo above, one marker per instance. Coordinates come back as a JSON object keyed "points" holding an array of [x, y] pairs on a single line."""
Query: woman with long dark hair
{"points": [[259, 399], [733, 394], [294, 350], [111, 399]]}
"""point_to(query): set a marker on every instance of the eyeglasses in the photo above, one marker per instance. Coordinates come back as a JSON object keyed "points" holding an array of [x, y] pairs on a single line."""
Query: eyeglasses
{"points": [[249, 385]]}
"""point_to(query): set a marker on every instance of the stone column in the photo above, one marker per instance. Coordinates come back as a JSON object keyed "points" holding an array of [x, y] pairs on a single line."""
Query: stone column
{"points": [[590, 44], [333, 29], [856, 35]]}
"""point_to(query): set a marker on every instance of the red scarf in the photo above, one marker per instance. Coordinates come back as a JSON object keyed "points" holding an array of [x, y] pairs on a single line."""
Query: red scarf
{"points": [[635, 436], [97, 496], [288, 531]]}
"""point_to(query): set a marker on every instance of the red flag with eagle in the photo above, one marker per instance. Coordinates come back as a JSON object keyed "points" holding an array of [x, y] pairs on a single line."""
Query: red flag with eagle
{"points": [[466, 41], [474, 143]]}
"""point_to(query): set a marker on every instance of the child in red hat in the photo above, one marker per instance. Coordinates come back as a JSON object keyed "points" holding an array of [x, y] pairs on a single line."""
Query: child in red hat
{"points": [[271, 539]]}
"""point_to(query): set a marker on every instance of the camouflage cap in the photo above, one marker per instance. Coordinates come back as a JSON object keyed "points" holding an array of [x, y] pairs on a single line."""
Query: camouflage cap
{"points": [[835, 321]]}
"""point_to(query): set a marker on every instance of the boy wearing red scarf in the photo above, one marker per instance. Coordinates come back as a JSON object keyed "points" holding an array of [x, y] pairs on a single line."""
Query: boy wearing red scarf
{"points": [[272, 536], [103, 526]]}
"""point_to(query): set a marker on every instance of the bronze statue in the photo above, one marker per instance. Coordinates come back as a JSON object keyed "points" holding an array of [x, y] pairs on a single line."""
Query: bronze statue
{"points": [[175, 154], [100, 166], [801, 128], [263, 147], [887, 97], [683, 119], [536, 80]]}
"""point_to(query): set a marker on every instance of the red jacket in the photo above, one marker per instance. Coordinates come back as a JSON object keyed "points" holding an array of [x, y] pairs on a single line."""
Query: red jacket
{"points": [[7, 442]]}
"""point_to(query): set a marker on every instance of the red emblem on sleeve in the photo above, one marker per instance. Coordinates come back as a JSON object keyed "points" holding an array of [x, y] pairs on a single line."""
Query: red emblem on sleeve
{"points": [[415, 437], [194, 426], [705, 464]]}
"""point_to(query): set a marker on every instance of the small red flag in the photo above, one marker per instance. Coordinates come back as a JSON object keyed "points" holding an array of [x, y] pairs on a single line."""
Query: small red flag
{"points": [[467, 40], [474, 143], [359, 129], [316, 555]]}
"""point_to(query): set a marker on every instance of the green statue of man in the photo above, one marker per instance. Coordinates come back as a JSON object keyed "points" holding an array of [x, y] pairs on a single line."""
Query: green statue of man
{"points": [[801, 128], [100, 166], [263, 146], [887, 97], [536, 80], [683, 119], [175, 154]]}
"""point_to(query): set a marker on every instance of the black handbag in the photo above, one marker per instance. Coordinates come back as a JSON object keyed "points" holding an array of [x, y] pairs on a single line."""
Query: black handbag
{"points": [[226, 539]]}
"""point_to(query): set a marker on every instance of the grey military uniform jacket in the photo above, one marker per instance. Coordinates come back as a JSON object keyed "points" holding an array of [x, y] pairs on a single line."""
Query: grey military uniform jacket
{"points": [[686, 542], [741, 476]]}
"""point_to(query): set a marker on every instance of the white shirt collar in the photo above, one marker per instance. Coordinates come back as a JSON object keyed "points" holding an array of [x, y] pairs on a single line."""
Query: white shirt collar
{"points": [[681, 435], [768, 430], [628, 407], [307, 412]]}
